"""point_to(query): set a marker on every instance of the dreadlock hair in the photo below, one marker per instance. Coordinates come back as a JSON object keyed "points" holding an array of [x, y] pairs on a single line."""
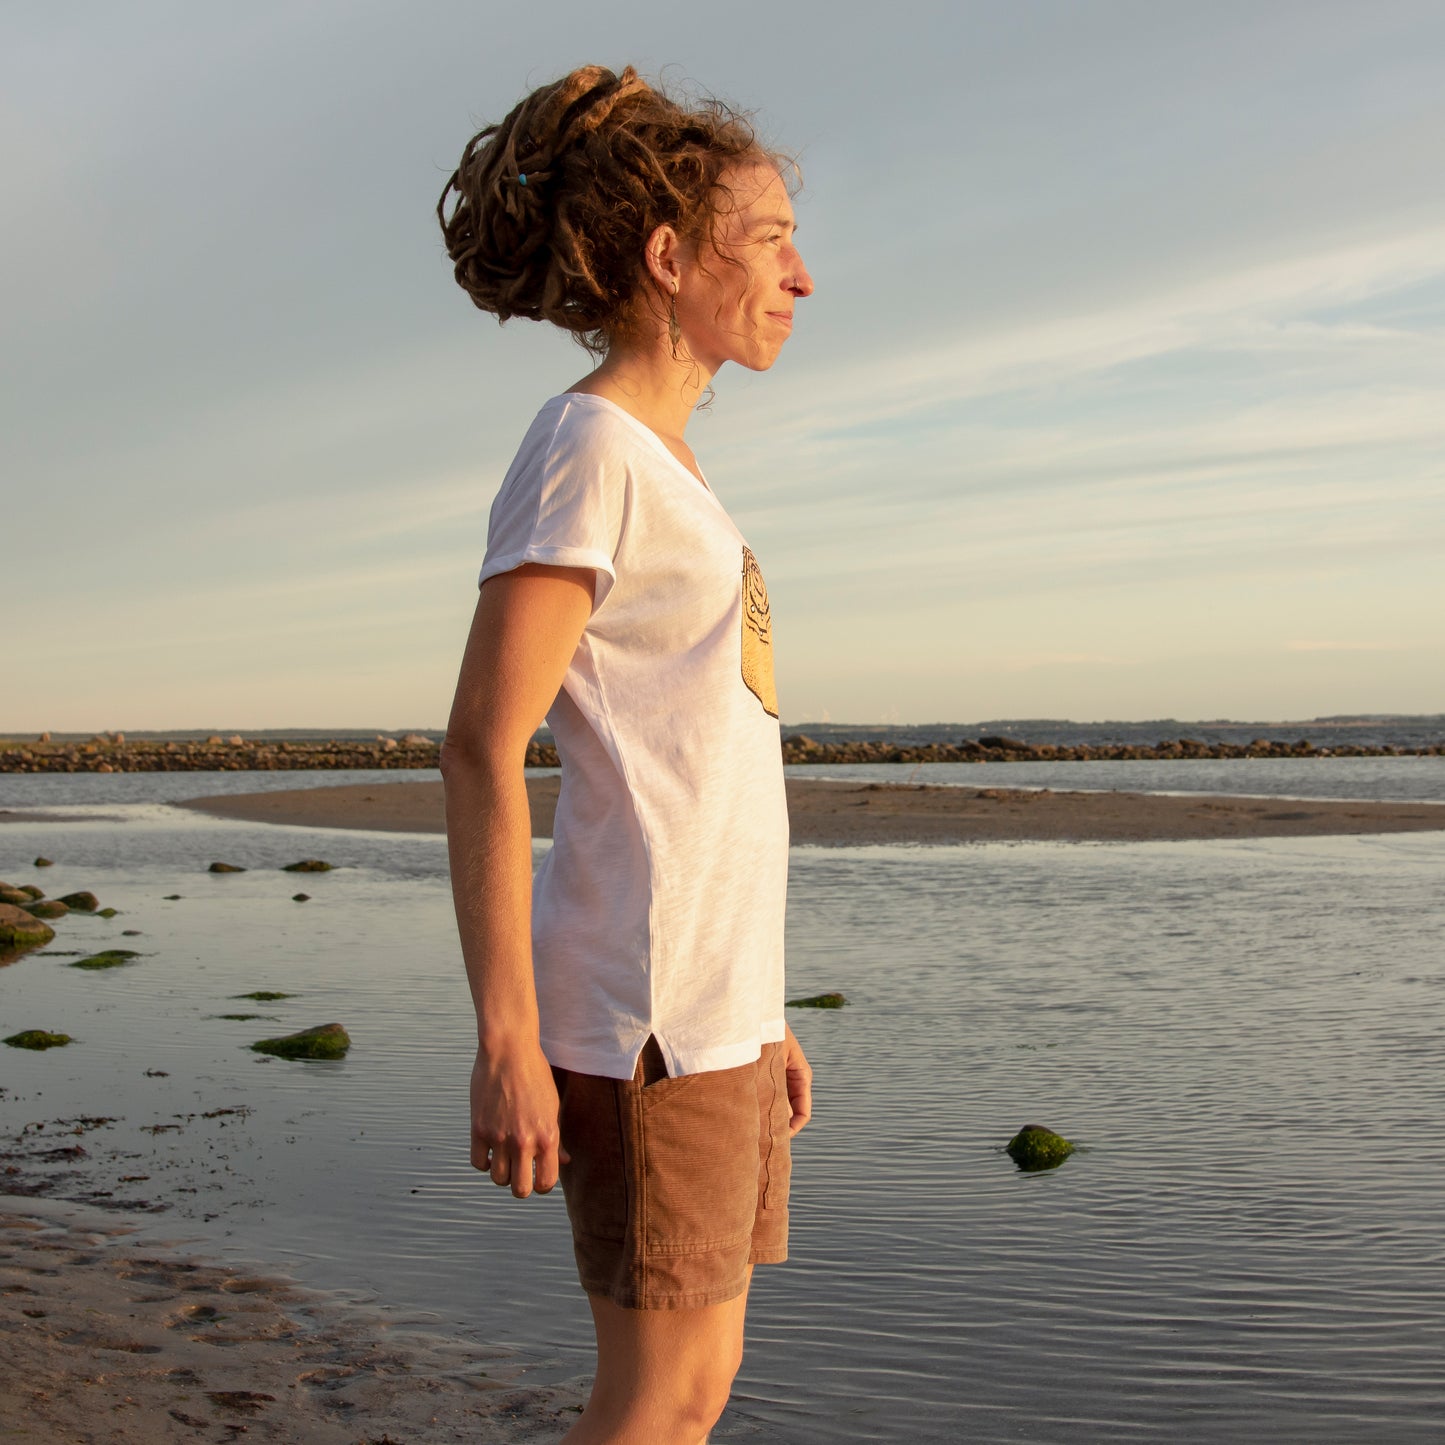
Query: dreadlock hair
{"points": [[548, 214]]}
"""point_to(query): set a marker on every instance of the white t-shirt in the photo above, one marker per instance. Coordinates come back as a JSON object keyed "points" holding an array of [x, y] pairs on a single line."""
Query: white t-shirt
{"points": [[659, 909]]}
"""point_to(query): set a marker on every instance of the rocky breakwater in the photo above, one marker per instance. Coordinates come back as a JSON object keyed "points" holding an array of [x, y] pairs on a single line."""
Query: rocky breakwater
{"points": [[115, 753], [995, 748]]}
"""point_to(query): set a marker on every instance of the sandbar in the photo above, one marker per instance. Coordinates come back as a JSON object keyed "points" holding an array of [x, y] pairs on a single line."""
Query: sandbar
{"points": [[834, 813]]}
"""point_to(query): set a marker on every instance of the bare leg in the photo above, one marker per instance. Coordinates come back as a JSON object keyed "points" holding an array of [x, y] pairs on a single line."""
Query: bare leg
{"points": [[662, 1375]]}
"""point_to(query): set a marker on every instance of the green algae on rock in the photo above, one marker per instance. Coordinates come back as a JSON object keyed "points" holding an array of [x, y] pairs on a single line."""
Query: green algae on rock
{"points": [[224, 868], [263, 995], [1035, 1147], [325, 1041], [81, 902], [245, 1018], [106, 958], [106, 912], [307, 865], [22, 928], [37, 1039], [819, 1000]]}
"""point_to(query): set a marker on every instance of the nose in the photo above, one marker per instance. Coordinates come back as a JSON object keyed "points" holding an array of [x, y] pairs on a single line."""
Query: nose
{"points": [[800, 283]]}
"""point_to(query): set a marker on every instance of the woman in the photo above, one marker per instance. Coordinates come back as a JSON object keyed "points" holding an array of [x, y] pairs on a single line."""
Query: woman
{"points": [[632, 1035]]}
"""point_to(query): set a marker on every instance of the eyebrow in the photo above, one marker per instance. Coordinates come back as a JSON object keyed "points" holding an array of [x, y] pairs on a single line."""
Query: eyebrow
{"points": [[784, 221]]}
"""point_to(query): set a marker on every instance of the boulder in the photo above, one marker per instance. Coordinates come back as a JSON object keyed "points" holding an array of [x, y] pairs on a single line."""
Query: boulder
{"points": [[325, 1041], [18, 928], [31, 891], [45, 863], [1035, 1147], [819, 1000], [37, 1039], [307, 865], [46, 908], [81, 902], [224, 868], [14, 896]]}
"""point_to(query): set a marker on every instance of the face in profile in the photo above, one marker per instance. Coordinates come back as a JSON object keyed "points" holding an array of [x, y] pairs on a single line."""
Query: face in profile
{"points": [[736, 299]]}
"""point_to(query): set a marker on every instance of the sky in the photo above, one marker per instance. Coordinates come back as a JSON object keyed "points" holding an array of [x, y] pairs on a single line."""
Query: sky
{"points": [[1121, 393]]}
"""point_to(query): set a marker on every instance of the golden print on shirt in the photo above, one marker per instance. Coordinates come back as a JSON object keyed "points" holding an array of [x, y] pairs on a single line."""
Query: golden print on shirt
{"points": [[758, 635]]}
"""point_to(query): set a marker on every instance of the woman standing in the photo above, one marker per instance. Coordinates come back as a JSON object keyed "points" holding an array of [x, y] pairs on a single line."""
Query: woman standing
{"points": [[629, 999]]}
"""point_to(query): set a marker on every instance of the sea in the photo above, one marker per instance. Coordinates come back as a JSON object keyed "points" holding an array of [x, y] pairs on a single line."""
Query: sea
{"points": [[1244, 1039]]}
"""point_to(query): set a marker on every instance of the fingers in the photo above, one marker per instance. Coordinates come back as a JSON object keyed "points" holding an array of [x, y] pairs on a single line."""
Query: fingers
{"points": [[800, 1096], [522, 1166]]}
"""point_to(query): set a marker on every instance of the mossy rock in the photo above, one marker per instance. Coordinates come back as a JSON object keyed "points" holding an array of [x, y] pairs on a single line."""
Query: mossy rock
{"points": [[263, 995], [20, 928], [819, 1000], [325, 1041], [81, 902], [106, 912], [244, 1018], [45, 908], [37, 1039], [16, 897], [307, 865], [107, 958], [1035, 1147], [31, 891], [224, 868], [45, 862]]}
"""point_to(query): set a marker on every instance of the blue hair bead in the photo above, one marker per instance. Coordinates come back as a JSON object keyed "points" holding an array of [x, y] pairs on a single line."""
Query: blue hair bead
{"points": [[521, 178]]}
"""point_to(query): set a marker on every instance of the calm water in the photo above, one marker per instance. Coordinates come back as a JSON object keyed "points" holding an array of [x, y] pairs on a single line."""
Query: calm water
{"points": [[1245, 1037]]}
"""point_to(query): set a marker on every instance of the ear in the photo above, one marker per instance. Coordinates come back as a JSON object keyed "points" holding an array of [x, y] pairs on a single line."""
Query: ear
{"points": [[662, 258]]}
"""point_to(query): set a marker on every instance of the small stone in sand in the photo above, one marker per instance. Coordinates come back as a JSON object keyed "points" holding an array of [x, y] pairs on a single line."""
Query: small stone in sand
{"points": [[308, 865], [224, 868], [325, 1041], [107, 958], [37, 1039], [819, 1000], [1035, 1147], [81, 902]]}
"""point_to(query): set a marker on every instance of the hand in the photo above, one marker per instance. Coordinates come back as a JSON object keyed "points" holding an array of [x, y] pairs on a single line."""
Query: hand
{"points": [[515, 1137], [800, 1081]]}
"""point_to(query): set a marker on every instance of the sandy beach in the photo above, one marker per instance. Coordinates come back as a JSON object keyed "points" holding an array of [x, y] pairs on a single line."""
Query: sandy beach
{"points": [[839, 814], [105, 1340]]}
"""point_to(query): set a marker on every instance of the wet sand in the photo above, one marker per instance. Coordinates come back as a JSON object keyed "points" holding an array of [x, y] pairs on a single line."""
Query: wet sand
{"points": [[105, 1340], [839, 814]]}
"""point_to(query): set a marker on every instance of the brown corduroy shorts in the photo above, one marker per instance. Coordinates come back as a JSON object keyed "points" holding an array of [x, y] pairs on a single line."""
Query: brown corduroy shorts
{"points": [[676, 1185]]}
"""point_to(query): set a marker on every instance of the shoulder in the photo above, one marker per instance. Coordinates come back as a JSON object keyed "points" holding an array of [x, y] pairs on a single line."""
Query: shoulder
{"points": [[576, 433]]}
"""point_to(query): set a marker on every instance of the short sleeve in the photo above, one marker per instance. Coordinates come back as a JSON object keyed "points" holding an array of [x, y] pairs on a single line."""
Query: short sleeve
{"points": [[562, 502]]}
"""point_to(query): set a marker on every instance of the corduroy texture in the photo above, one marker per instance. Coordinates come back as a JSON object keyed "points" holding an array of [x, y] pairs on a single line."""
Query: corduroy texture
{"points": [[676, 1185], [606, 159]]}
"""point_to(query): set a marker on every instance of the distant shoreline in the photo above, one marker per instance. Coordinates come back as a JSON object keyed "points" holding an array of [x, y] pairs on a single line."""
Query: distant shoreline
{"points": [[831, 813]]}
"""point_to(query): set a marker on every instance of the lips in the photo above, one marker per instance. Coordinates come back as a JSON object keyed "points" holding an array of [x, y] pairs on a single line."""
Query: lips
{"points": [[784, 318]]}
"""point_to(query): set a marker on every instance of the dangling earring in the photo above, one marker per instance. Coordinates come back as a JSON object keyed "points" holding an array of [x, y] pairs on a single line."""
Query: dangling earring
{"points": [[674, 331]]}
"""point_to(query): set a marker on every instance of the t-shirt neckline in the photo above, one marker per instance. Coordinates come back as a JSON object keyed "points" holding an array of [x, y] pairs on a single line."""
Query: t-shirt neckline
{"points": [[646, 431]]}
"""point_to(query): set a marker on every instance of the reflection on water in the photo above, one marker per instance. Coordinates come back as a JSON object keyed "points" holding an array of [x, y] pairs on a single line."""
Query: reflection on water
{"points": [[1244, 1038]]}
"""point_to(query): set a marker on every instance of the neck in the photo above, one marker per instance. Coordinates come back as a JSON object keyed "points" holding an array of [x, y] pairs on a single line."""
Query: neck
{"points": [[646, 380]]}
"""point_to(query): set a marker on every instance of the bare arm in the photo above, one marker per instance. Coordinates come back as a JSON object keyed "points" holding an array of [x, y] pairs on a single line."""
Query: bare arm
{"points": [[526, 628]]}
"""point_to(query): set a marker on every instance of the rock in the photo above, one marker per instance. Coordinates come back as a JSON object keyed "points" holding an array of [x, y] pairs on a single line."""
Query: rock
{"points": [[45, 863], [171, 898], [388, 745], [43, 738], [46, 908], [224, 868], [236, 740], [18, 927], [301, 898], [263, 995], [308, 865], [31, 891], [37, 1039], [819, 1000], [1000, 743], [325, 1041], [81, 902], [416, 740], [214, 741], [107, 958], [16, 897], [106, 912], [130, 933], [1035, 1147]]}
